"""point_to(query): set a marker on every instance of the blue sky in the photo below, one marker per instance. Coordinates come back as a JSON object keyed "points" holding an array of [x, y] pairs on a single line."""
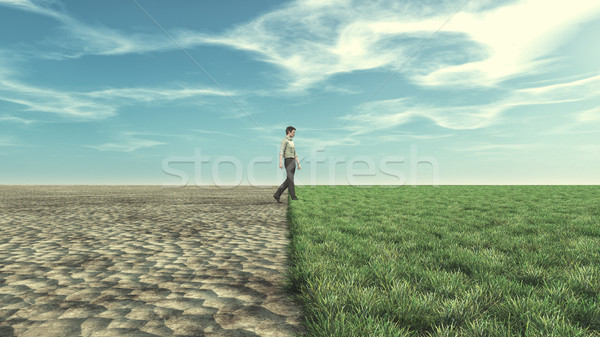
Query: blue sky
{"points": [[380, 92]]}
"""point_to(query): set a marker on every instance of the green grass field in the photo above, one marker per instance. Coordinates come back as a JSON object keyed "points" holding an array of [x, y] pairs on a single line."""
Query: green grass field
{"points": [[447, 261]]}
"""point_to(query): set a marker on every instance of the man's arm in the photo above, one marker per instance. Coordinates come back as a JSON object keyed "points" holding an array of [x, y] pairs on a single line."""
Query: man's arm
{"points": [[298, 162], [281, 149]]}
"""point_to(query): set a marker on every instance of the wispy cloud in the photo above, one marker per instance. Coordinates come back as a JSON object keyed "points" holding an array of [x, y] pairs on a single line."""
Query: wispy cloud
{"points": [[5, 60], [93, 105], [7, 141], [11, 141], [129, 141], [314, 42], [516, 39], [583, 122], [568, 91], [78, 38], [14, 119], [213, 132], [127, 145], [152, 94], [385, 114], [43, 7], [328, 142], [399, 136], [307, 139], [498, 147], [590, 115], [66, 104], [309, 41]]}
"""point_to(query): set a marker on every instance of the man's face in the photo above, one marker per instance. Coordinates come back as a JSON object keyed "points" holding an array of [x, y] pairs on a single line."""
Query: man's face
{"points": [[292, 134]]}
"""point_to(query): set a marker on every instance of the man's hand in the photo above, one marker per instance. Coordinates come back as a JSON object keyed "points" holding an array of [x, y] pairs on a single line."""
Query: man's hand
{"points": [[280, 164], [299, 166]]}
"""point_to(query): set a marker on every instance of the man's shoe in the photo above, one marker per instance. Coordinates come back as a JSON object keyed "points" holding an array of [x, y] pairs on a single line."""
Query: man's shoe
{"points": [[294, 198], [277, 198]]}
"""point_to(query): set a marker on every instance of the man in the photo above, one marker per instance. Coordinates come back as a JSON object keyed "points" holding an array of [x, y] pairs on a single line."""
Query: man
{"points": [[288, 151]]}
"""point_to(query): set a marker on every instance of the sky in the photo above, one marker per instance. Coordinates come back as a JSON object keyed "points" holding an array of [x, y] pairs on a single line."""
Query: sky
{"points": [[194, 93]]}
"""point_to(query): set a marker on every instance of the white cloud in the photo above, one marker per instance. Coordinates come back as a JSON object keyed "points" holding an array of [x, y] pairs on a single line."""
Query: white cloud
{"points": [[490, 44], [129, 141], [517, 37], [327, 142], [12, 141], [47, 100], [386, 114], [491, 147], [590, 115], [14, 119], [42, 7], [78, 38], [314, 40], [216, 133], [126, 146], [99, 104], [307, 139], [153, 94], [7, 141], [576, 90], [583, 122], [82, 39], [399, 136], [309, 43]]}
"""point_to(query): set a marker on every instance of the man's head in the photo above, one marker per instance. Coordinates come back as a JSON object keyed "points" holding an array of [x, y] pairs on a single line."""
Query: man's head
{"points": [[290, 131]]}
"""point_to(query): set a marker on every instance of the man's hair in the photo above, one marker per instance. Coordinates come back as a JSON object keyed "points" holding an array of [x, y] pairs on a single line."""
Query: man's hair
{"points": [[289, 129]]}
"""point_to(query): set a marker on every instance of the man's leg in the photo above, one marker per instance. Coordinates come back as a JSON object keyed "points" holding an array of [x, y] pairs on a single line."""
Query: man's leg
{"points": [[284, 185], [281, 189], [290, 168]]}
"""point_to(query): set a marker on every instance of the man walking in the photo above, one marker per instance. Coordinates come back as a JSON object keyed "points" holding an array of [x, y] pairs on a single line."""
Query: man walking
{"points": [[288, 151]]}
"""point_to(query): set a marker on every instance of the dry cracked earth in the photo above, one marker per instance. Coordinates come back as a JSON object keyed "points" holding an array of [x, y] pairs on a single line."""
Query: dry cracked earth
{"points": [[144, 261]]}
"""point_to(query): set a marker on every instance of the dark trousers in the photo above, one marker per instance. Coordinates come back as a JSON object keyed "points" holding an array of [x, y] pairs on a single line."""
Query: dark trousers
{"points": [[290, 169]]}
